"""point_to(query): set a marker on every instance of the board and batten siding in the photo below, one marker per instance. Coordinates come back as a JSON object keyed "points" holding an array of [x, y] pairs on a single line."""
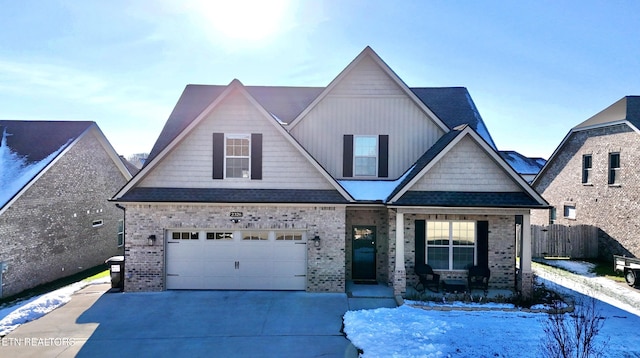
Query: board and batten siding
{"points": [[367, 102], [467, 167], [190, 164]]}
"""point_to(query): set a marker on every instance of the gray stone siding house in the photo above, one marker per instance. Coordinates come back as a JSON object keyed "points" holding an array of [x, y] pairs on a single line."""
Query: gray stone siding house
{"points": [[55, 217], [306, 188], [592, 178]]}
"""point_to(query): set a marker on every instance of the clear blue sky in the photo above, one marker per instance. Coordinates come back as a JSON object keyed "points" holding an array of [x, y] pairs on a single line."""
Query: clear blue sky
{"points": [[534, 68]]}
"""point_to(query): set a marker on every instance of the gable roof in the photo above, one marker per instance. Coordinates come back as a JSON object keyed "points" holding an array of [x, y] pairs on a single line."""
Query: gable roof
{"points": [[402, 195], [369, 53], [453, 105], [450, 106], [624, 111], [29, 148], [173, 133]]}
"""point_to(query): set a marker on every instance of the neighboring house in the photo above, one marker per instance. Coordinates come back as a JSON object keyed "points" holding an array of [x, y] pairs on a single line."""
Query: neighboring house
{"points": [[527, 167], [55, 218], [592, 178], [297, 188]]}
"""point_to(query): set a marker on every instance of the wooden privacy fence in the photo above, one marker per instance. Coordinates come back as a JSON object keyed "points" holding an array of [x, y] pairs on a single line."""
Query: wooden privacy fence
{"points": [[578, 241]]}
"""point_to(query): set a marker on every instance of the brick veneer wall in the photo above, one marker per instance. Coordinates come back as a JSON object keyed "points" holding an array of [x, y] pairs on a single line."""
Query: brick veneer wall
{"points": [[369, 217], [613, 209], [502, 248], [145, 265], [48, 234]]}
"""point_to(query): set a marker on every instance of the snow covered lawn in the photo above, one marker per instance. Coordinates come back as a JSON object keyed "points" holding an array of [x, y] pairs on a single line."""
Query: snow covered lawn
{"points": [[409, 331], [25, 311]]}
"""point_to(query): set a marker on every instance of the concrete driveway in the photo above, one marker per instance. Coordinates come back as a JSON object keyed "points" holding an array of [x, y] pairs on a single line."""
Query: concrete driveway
{"points": [[187, 324]]}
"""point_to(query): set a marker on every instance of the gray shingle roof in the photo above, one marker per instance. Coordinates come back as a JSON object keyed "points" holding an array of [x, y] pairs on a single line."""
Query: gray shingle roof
{"points": [[522, 164], [217, 195], [627, 108], [35, 140], [468, 199]]}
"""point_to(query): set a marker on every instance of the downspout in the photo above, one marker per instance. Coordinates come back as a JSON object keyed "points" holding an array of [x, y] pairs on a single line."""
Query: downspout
{"points": [[124, 239]]}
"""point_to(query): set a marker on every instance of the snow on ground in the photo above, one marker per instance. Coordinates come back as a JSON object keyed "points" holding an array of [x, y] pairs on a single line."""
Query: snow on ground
{"points": [[36, 307], [463, 331]]}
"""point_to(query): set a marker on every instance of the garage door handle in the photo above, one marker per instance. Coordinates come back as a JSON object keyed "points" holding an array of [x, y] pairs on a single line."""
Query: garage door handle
{"points": [[237, 265], [300, 275], [173, 242], [172, 274], [300, 243]]}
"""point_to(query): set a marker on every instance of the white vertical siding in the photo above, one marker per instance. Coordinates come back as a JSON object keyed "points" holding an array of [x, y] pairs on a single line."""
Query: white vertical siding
{"points": [[467, 167], [367, 102], [189, 165]]}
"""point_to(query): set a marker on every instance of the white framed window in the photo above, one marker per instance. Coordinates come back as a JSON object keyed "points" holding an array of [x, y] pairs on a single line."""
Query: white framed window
{"points": [[569, 211], [365, 155], [237, 155], [120, 233], [451, 245]]}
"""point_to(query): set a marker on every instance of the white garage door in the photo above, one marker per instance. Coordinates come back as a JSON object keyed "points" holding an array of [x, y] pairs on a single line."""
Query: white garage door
{"points": [[239, 260]]}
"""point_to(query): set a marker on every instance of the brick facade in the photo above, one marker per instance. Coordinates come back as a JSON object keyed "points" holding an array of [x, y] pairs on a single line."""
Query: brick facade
{"points": [[48, 234], [611, 208], [145, 265]]}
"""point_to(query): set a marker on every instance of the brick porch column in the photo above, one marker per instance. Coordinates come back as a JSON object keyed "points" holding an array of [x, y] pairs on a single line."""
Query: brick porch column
{"points": [[526, 274], [399, 273]]}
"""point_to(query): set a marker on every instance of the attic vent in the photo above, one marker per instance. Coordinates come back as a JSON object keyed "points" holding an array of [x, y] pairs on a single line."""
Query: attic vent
{"points": [[97, 223]]}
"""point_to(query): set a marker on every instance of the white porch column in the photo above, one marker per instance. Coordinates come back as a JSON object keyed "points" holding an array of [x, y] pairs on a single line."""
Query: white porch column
{"points": [[526, 274], [399, 275]]}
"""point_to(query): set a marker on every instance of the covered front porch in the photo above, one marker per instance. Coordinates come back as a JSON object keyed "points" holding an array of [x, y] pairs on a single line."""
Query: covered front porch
{"points": [[452, 239]]}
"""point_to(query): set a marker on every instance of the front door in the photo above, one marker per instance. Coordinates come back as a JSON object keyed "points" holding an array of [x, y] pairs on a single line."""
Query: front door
{"points": [[364, 252]]}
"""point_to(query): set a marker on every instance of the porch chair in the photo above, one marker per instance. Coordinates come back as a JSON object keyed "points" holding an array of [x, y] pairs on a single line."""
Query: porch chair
{"points": [[478, 277], [427, 278]]}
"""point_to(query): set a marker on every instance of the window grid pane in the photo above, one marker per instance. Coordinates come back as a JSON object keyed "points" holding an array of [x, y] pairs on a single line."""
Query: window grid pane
{"points": [[450, 245], [365, 153], [586, 168], [237, 156], [614, 168]]}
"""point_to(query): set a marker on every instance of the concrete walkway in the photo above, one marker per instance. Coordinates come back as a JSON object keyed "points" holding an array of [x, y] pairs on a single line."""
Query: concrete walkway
{"points": [[195, 324]]}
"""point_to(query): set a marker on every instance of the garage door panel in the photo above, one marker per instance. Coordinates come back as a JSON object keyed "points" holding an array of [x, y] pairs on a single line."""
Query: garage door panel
{"points": [[218, 268], [236, 264], [184, 282]]}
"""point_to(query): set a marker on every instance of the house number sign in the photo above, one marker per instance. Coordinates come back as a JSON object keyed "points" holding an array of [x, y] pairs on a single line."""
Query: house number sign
{"points": [[235, 214]]}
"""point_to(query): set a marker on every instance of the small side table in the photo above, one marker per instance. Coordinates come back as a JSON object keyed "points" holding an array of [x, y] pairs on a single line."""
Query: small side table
{"points": [[454, 285]]}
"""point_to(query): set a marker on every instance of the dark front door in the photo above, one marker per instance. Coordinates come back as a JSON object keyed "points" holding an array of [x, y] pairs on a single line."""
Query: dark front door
{"points": [[364, 252]]}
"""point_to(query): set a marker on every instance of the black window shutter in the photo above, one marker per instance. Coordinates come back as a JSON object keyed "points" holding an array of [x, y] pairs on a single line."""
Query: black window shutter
{"points": [[256, 156], [420, 238], [483, 243], [383, 156], [218, 155], [347, 156]]}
